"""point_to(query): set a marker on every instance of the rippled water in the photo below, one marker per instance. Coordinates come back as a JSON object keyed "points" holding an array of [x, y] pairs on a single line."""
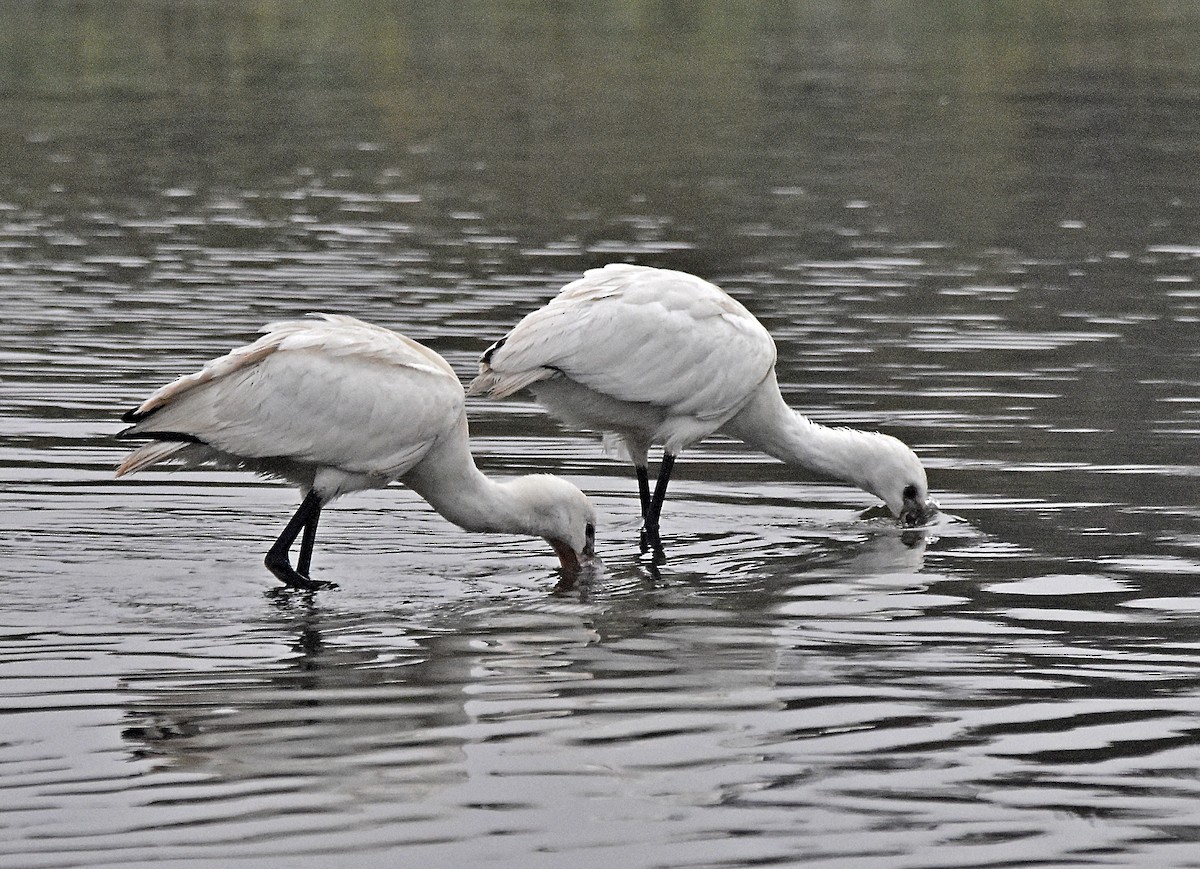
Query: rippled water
{"points": [[976, 232]]}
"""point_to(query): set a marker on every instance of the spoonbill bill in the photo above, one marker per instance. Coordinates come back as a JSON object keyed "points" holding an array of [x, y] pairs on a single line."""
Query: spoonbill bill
{"points": [[653, 356], [335, 405]]}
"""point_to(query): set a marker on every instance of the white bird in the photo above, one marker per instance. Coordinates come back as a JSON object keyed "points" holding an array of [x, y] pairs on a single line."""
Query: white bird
{"points": [[336, 405], [654, 356]]}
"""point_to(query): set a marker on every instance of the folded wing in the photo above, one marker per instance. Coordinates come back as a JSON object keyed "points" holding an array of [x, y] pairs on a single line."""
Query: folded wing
{"points": [[333, 392], [639, 335]]}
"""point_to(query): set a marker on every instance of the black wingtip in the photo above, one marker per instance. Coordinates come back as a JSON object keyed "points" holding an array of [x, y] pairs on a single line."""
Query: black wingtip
{"points": [[131, 415], [142, 434], [487, 354]]}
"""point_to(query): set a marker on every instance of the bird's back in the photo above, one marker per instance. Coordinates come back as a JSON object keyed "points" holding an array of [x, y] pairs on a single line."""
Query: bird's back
{"points": [[324, 393], [639, 335]]}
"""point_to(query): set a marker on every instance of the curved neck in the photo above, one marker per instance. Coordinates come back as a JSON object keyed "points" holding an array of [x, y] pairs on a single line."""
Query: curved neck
{"points": [[449, 480], [768, 424]]}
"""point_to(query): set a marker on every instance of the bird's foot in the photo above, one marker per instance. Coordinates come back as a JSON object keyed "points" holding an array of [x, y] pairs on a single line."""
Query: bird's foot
{"points": [[292, 578], [651, 545]]}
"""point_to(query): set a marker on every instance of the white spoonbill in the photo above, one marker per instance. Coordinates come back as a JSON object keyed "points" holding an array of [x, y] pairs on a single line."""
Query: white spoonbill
{"points": [[336, 405], [654, 356]]}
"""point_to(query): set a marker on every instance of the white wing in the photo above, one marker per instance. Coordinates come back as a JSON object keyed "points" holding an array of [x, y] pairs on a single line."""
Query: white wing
{"points": [[335, 392], [638, 334]]}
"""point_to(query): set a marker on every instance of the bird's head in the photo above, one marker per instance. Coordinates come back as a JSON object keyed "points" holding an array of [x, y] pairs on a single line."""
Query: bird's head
{"points": [[897, 476], [559, 512]]}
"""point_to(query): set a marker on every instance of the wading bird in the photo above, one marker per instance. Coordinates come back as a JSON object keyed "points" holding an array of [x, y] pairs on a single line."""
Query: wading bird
{"points": [[653, 356], [336, 405]]}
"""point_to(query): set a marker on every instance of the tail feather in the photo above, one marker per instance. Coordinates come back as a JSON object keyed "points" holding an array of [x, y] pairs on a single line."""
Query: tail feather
{"points": [[150, 454], [494, 385]]}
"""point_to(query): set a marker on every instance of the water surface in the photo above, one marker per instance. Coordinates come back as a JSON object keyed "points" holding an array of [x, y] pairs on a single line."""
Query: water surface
{"points": [[974, 230]]}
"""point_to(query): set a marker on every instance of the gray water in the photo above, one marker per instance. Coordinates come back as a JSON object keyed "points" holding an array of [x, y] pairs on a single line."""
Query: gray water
{"points": [[973, 226]]}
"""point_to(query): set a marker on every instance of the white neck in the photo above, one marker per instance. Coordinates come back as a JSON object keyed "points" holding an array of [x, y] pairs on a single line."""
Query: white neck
{"points": [[449, 480], [768, 424]]}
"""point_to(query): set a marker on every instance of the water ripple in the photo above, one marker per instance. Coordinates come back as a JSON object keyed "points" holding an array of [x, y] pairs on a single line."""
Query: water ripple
{"points": [[800, 682]]}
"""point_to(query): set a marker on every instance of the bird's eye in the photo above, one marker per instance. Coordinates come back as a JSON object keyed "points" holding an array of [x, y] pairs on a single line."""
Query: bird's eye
{"points": [[589, 531], [910, 492]]}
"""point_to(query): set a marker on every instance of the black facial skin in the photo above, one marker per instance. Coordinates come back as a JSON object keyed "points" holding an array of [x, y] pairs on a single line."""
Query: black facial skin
{"points": [[915, 512]]}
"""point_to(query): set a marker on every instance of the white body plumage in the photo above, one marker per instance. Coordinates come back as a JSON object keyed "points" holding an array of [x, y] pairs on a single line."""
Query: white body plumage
{"points": [[654, 356], [336, 405]]}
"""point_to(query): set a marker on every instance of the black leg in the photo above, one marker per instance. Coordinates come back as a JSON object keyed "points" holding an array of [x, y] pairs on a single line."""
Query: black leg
{"points": [[304, 559], [650, 521], [277, 562], [643, 488]]}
